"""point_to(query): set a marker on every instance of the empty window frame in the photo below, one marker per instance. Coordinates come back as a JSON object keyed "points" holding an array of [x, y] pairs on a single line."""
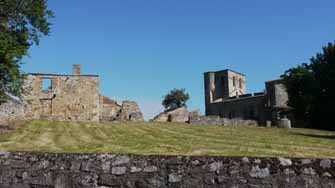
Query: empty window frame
{"points": [[46, 84]]}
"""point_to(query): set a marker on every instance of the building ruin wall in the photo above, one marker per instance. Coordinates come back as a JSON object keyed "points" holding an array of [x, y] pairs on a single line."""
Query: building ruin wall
{"points": [[74, 98]]}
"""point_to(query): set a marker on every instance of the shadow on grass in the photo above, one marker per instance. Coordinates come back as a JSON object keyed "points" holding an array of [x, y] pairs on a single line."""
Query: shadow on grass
{"points": [[315, 135]]}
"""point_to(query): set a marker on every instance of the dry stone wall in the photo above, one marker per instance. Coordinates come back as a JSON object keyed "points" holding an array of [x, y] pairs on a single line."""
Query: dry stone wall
{"points": [[41, 170], [217, 120]]}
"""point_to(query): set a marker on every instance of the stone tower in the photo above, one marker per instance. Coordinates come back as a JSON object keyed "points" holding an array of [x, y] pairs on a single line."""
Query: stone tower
{"points": [[222, 85]]}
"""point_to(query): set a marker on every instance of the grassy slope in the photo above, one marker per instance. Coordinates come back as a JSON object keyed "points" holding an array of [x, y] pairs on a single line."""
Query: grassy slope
{"points": [[169, 139]]}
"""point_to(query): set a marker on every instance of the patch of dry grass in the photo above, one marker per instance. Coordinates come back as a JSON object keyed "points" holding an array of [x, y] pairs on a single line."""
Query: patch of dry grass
{"points": [[169, 139]]}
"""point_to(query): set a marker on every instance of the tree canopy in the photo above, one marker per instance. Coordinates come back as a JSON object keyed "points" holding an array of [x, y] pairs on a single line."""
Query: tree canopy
{"points": [[22, 23], [311, 89], [175, 99]]}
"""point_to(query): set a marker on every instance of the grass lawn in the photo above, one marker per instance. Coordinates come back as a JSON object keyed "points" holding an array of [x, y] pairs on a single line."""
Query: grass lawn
{"points": [[169, 139]]}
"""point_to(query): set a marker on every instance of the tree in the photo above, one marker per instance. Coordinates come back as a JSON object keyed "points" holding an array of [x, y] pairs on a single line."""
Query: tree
{"points": [[311, 89], [175, 99], [22, 23]]}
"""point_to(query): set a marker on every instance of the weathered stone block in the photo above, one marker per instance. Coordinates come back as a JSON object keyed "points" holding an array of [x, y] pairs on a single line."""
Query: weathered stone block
{"points": [[150, 169], [174, 178], [119, 170], [120, 160], [213, 167], [257, 172], [285, 162]]}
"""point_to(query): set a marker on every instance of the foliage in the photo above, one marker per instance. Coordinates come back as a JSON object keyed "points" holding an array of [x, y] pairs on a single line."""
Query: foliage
{"points": [[311, 89], [22, 23], [175, 99]]}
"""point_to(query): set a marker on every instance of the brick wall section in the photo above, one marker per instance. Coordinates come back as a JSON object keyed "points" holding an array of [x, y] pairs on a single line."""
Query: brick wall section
{"points": [[22, 170]]}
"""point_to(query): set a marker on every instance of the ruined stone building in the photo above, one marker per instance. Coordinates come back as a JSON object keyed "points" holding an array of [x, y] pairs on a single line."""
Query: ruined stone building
{"points": [[67, 97], [110, 110], [62, 96], [226, 96]]}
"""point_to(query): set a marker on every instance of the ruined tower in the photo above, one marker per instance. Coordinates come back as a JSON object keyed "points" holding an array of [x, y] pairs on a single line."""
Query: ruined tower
{"points": [[222, 85]]}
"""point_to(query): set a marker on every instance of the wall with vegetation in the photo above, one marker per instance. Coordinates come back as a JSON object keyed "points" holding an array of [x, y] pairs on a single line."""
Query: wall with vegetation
{"points": [[107, 171]]}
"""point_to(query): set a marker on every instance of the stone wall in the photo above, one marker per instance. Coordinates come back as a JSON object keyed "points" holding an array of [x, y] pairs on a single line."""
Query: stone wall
{"points": [[277, 95], [64, 97], [130, 111], [26, 170], [217, 120], [11, 110], [69, 97], [222, 85], [225, 96], [250, 107], [179, 115], [109, 109]]}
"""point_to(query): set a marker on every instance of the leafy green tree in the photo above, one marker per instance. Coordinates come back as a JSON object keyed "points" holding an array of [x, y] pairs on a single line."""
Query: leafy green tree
{"points": [[22, 23], [175, 99], [311, 89]]}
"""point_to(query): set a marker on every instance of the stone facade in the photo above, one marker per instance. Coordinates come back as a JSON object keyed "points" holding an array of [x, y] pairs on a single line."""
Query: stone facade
{"points": [[68, 97], [26, 170], [224, 84], [62, 97], [227, 98]]}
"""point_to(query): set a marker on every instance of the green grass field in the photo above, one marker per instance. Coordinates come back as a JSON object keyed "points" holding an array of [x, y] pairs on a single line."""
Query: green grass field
{"points": [[169, 139]]}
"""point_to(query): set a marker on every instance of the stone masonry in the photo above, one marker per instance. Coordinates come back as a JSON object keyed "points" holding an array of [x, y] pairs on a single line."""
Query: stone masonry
{"points": [[68, 97], [27, 170], [225, 96], [62, 97], [179, 115]]}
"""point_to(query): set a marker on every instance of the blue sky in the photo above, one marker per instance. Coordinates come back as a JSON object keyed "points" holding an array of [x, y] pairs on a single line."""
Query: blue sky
{"points": [[144, 48]]}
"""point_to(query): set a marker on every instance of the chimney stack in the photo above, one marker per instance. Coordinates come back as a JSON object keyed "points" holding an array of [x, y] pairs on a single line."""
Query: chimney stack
{"points": [[76, 69]]}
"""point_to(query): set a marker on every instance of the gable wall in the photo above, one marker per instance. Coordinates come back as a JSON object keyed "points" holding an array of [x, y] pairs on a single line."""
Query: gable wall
{"points": [[74, 98]]}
